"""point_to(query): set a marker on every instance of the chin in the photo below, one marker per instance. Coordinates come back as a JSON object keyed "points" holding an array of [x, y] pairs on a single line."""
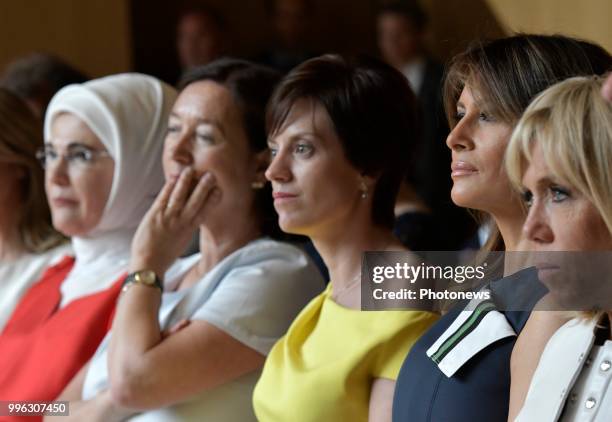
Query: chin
{"points": [[292, 226], [463, 199], [67, 227]]}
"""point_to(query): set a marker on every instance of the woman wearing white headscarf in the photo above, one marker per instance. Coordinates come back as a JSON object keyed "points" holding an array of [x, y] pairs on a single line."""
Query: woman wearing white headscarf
{"points": [[103, 144], [190, 336]]}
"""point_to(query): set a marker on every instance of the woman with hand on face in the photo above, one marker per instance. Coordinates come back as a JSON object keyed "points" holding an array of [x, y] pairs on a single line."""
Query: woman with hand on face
{"points": [[559, 157], [340, 132], [28, 241], [189, 337], [102, 149], [467, 353]]}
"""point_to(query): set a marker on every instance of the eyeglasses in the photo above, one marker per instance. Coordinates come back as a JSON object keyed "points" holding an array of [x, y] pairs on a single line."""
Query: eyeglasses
{"points": [[77, 156]]}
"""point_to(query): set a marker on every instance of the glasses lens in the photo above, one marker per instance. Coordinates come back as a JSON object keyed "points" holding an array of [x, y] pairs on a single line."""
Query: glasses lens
{"points": [[41, 156]]}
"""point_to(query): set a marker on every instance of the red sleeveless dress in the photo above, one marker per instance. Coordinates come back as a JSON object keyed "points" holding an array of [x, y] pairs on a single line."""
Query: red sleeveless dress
{"points": [[43, 347]]}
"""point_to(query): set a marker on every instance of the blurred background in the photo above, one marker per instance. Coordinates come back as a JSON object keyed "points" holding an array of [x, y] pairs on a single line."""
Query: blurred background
{"points": [[45, 45], [100, 37]]}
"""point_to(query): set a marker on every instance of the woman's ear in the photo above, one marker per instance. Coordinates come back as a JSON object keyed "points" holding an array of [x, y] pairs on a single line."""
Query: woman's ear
{"points": [[366, 185], [261, 162]]}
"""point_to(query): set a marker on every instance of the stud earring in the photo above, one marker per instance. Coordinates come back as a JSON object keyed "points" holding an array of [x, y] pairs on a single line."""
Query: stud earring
{"points": [[364, 190]]}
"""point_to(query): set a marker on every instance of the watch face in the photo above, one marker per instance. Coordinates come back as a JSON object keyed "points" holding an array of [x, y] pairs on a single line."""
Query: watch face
{"points": [[146, 277]]}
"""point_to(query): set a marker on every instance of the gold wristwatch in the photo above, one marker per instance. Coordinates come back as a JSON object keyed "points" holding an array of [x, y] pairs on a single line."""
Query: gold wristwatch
{"points": [[144, 277]]}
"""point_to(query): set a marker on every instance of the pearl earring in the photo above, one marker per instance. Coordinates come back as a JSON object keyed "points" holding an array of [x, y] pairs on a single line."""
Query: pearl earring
{"points": [[364, 190]]}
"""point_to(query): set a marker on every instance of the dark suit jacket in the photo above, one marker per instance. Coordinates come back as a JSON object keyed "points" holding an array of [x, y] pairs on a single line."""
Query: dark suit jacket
{"points": [[480, 389]]}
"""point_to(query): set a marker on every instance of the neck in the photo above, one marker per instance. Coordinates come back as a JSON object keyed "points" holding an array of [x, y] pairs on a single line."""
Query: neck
{"points": [[342, 250], [407, 61], [218, 242], [510, 227], [112, 244]]}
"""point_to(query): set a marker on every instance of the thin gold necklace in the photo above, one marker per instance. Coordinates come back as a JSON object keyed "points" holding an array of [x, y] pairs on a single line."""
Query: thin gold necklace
{"points": [[357, 278]]}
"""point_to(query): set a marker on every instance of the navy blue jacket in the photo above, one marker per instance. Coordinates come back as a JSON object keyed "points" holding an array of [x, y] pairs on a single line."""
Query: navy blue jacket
{"points": [[480, 389]]}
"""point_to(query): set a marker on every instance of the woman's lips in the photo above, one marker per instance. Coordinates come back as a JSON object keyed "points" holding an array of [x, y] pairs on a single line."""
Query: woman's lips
{"points": [[283, 196], [461, 168], [546, 270], [63, 202]]}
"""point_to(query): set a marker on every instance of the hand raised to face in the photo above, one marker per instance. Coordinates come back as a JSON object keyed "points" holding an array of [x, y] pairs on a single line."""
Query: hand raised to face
{"points": [[168, 226]]}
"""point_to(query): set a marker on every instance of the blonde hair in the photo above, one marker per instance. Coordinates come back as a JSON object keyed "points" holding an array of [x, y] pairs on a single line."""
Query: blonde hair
{"points": [[572, 124], [20, 136]]}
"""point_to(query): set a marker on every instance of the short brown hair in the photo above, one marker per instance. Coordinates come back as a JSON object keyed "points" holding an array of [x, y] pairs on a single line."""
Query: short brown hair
{"points": [[373, 111]]}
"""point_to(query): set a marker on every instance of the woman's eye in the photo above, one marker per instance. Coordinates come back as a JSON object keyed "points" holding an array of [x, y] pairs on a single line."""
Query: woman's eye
{"points": [[273, 152], [527, 198], [206, 138], [82, 156], [459, 115], [485, 117], [303, 149], [50, 154], [174, 129], [558, 194]]}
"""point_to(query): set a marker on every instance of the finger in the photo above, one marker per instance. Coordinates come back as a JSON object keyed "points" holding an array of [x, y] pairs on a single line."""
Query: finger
{"points": [[162, 198], [179, 194], [199, 196]]}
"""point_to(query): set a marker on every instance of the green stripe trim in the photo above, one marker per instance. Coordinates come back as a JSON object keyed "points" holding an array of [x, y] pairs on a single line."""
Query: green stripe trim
{"points": [[452, 341]]}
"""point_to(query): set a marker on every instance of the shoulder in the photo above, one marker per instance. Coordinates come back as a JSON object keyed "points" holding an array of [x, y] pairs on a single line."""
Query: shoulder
{"points": [[574, 336], [558, 368], [274, 259], [269, 249]]}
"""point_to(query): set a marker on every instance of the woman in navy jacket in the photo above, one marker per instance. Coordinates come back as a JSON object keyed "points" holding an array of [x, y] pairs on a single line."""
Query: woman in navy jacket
{"points": [[460, 369]]}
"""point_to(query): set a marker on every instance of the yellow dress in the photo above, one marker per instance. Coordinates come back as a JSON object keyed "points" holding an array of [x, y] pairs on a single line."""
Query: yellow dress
{"points": [[323, 368]]}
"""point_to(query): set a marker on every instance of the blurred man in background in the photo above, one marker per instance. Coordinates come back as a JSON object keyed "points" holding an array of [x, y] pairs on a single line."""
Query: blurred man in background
{"points": [[201, 36], [401, 36], [291, 20], [37, 77]]}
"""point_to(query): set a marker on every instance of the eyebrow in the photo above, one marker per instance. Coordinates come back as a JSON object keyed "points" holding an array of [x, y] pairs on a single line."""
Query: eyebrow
{"points": [[71, 145]]}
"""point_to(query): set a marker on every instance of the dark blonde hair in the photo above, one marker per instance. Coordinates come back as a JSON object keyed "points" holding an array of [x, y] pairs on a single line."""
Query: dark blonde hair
{"points": [[504, 75], [572, 123], [20, 137]]}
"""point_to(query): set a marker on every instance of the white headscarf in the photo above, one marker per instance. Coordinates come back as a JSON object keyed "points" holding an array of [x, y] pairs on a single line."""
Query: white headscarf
{"points": [[129, 114]]}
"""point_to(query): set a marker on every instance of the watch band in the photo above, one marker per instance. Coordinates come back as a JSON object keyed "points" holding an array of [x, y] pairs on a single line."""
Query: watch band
{"points": [[143, 277]]}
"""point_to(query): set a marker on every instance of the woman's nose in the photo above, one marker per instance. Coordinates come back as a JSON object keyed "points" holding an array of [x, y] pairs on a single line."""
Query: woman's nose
{"points": [[536, 228], [279, 169], [181, 149], [460, 137], [56, 171]]}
